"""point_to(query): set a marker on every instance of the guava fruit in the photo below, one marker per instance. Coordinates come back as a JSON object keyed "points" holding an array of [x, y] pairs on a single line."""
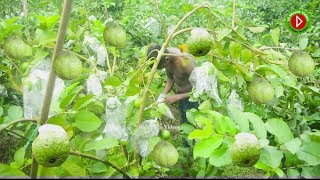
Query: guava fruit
{"points": [[114, 35], [245, 151], [15, 48], [51, 147], [301, 64], [67, 66], [165, 134], [165, 154], [261, 91], [236, 171], [200, 42], [137, 102]]}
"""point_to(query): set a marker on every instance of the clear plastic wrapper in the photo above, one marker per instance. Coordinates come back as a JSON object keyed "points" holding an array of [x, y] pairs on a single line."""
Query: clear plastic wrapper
{"points": [[203, 80], [94, 85], [115, 119], [235, 100], [140, 138], [34, 90]]}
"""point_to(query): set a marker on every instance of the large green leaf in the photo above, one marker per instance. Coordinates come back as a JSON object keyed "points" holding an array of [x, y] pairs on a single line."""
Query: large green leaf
{"points": [[311, 171], [205, 147], [238, 117], [275, 34], [105, 143], [113, 81], [202, 133], [223, 33], [87, 121], [271, 157], [257, 123], [84, 101], [19, 156], [72, 168], [15, 112], [309, 152], [223, 124], [293, 145], [303, 43], [6, 170], [221, 156], [280, 129]]}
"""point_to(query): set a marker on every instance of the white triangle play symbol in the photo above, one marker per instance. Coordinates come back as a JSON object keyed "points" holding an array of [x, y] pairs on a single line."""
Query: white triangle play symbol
{"points": [[298, 21]]}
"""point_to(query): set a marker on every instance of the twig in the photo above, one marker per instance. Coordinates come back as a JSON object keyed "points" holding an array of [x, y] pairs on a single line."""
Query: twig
{"points": [[290, 49], [5, 126], [75, 153], [163, 25], [233, 12], [114, 63], [186, 30], [67, 6]]}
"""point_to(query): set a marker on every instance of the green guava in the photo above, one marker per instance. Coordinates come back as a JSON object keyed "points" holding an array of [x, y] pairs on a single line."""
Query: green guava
{"points": [[114, 35], [261, 91], [165, 134], [15, 48], [236, 171], [245, 151], [51, 147], [165, 154], [200, 42], [67, 66], [301, 64], [137, 102]]}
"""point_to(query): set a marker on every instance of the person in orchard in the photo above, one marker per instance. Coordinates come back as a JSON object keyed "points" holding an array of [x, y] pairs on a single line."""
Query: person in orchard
{"points": [[178, 69]]}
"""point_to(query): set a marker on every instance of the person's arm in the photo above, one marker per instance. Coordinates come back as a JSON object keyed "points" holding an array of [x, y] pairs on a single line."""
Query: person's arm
{"points": [[176, 97], [169, 83]]}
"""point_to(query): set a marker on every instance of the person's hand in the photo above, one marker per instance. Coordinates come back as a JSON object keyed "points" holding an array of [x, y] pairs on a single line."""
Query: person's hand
{"points": [[171, 99]]}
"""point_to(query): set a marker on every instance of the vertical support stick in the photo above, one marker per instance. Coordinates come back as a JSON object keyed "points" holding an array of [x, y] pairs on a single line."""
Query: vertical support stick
{"points": [[67, 6]]}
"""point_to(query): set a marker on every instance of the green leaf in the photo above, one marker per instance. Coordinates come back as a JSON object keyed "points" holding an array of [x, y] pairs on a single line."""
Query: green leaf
{"points": [[235, 50], [113, 81], [1, 111], [72, 168], [293, 145], [15, 112], [205, 105], [19, 156], [275, 33], [98, 167], [309, 152], [47, 171], [275, 82], [220, 157], [205, 147], [303, 43], [186, 128], [61, 121], [69, 94], [201, 134], [223, 33], [272, 68], [6, 170], [223, 124], [279, 172], [105, 143], [43, 37], [271, 157], [87, 121], [238, 117], [311, 171], [293, 173], [257, 123], [256, 29], [280, 129], [84, 101]]}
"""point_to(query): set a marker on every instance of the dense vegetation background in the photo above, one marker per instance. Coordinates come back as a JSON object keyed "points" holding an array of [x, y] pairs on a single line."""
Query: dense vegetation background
{"points": [[287, 128]]}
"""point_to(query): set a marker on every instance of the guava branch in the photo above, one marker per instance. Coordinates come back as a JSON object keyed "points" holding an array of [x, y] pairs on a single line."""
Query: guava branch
{"points": [[76, 153], [5, 126], [160, 54]]}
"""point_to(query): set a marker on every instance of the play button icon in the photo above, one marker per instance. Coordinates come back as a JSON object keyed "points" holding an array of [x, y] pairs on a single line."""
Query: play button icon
{"points": [[298, 21]]}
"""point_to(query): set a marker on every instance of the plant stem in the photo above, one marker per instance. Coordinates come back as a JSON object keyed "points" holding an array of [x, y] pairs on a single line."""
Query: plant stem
{"points": [[233, 12], [67, 6], [75, 153], [163, 25], [5, 126], [155, 65]]}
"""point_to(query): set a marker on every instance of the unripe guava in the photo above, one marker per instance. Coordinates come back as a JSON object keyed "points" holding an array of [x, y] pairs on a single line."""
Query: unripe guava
{"points": [[165, 154], [67, 66], [165, 134], [245, 151], [200, 42], [114, 35], [15, 48], [261, 91], [51, 147], [137, 102], [301, 64]]}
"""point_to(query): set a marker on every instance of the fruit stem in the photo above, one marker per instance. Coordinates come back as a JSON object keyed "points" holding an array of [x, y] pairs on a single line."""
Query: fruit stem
{"points": [[76, 153], [67, 7]]}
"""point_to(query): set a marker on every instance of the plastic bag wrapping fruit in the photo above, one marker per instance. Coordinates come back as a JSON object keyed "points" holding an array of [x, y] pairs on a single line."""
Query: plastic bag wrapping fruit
{"points": [[34, 87], [153, 26], [234, 99], [115, 119], [140, 138], [94, 44], [203, 80], [165, 110], [94, 83]]}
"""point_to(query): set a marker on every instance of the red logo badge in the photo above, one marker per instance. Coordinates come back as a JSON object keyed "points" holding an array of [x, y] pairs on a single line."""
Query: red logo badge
{"points": [[298, 21]]}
